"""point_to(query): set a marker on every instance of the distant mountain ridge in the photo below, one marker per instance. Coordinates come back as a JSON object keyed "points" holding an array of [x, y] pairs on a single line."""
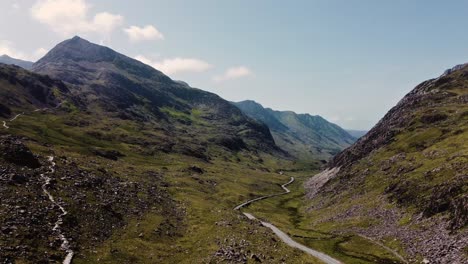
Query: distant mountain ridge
{"points": [[302, 135], [5, 59]]}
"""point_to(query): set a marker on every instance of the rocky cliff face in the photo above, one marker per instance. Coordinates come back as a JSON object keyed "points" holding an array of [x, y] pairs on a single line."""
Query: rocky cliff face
{"points": [[408, 174]]}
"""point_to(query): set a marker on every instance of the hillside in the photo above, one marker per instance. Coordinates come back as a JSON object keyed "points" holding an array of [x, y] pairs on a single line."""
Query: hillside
{"points": [[5, 59], [302, 135], [405, 182]]}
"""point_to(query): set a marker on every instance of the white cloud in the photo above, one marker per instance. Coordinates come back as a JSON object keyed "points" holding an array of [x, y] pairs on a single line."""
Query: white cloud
{"points": [[71, 16], [233, 73], [148, 32], [176, 65], [106, 22], [7, 48]]}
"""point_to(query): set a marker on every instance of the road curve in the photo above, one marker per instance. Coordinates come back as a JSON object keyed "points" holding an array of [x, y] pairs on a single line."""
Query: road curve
{"points": [[286, 190], [282, 235]]}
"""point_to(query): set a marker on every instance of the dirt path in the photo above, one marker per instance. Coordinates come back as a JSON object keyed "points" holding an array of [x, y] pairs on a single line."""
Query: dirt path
{"points": [[282, 235]]}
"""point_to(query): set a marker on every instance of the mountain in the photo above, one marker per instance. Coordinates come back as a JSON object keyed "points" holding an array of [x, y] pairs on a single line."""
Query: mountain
{"points": [[5, 59], [356, 133], [405, 182], [302, 135], [116, 86]]}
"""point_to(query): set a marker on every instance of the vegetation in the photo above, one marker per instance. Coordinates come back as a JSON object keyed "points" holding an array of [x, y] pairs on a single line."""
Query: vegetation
{"points": [[407, 175]]}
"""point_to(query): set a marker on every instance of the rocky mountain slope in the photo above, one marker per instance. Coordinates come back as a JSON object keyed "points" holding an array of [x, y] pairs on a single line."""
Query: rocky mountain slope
{"points": [[114, 85], [302, 135], [405, 182], [5, 59], [26, 91]]}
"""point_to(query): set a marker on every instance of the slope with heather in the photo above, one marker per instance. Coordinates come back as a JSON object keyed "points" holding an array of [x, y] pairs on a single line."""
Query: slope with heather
{"points": [[405, 182]]}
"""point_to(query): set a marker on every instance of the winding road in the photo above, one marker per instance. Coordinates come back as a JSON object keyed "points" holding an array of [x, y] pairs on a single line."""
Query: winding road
{"points": [[36, 110], [282, 235]]}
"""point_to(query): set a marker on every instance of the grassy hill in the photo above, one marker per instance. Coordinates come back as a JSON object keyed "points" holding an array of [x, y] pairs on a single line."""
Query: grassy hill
{"points": [[405, 182]]}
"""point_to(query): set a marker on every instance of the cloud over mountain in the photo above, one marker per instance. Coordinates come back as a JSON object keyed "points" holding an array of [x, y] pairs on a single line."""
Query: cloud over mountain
{"points": [[147, 32], [233, 73], [176, 65]]}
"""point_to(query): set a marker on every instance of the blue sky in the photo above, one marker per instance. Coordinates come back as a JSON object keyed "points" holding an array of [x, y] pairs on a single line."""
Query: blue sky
{"points": [[349, 61]]}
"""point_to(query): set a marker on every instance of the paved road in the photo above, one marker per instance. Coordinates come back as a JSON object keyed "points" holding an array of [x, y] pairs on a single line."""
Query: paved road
{"points": [[283, 236]]}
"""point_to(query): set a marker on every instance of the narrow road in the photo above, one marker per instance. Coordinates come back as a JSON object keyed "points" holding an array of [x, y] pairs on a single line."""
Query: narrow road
{"points": [[37, 110], [286, 190], [282, 235], [16, 116], [65, 243]]}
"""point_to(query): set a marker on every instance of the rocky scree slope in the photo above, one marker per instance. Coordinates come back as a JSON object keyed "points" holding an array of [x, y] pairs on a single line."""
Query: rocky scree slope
{"points": [[407, 178], [98, 202], [302, 135]]}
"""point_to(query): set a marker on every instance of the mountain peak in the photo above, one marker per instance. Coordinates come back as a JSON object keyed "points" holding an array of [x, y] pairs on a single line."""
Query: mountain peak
{"points": [[75, 38], [80, 53], [79, 49]]}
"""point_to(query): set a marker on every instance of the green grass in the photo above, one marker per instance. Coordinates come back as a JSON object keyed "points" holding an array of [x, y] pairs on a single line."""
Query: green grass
{"points": [[290, 213]]}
